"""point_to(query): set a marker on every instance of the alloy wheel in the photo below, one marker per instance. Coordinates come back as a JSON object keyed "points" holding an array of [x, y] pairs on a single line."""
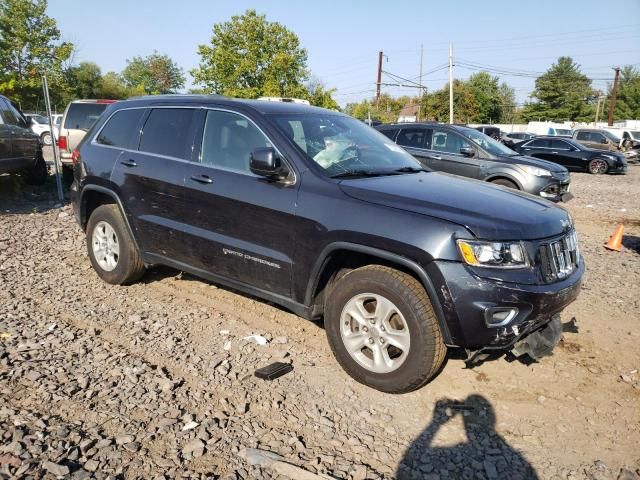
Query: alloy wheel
{"points": [[105, 245], [375, 333]]}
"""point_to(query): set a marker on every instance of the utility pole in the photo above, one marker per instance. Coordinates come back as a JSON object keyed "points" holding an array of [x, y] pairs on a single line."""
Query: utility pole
{"points": [[421, 93], [54, 146], [450, 83], [595, 124], [379, 80], [614, 96]]}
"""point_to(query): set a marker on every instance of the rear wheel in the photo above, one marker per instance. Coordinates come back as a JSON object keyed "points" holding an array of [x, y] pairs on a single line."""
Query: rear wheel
{"points": [[505, 183], [46, 138], [111, 249], [383, 330], [598, 166]]}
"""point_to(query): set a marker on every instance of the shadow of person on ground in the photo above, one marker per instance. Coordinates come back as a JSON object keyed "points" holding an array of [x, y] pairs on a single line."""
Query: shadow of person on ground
{"points": [[485, 454], [632, 242]]}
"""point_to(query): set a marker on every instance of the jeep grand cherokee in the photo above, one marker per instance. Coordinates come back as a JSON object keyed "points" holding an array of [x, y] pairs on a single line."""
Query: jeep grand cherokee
{"points": [[323, 215]]}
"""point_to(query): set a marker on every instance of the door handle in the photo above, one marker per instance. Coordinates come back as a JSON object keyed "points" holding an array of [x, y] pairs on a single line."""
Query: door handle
{"points": [[436, 157], [129, 163], [202, 178], [555, 152]]}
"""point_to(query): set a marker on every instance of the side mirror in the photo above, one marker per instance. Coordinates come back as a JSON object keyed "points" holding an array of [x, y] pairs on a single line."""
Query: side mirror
{"points": [[266, 163], [467, 151]]}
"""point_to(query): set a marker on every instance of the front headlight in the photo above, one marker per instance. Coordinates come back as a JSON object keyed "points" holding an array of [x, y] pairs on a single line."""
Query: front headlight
{"points": [[493, 254], [538, 172]]}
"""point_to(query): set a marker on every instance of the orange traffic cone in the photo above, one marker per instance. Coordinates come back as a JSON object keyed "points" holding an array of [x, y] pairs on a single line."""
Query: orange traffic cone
{"points": [[615, 240]]}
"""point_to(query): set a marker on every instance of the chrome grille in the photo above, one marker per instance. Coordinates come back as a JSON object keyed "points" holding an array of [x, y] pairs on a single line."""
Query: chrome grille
{"points": [[560, 258]]}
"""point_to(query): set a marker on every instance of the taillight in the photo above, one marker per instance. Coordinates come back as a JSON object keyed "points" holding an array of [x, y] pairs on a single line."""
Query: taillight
{"points": [[62, 142], [75, 156]]}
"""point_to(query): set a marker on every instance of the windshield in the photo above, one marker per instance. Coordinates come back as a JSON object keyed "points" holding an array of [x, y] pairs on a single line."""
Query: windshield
{"points": [[489, 144], [611, 136], [342, 145], [39, 119], [82, 116], [561, 131]]}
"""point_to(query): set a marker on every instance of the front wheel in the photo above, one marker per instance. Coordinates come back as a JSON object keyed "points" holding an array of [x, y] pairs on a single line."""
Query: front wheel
{"points": [[383, 330], [598, 166], [111, 249], [505, 183]]}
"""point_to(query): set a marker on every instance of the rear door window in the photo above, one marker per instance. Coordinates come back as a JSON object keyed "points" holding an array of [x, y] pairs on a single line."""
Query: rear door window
{"points": [[414, 137], [560, 145], [167, 132], [583, 136], [82, 116], [538, 143], [121, 129], [389, 133]]}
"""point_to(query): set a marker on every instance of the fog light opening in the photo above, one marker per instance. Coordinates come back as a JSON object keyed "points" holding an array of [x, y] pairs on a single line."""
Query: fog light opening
{"points": [[499, 316]]}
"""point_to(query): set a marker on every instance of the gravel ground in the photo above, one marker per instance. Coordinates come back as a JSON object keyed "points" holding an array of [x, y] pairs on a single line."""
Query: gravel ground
{"points": [[155, 380]]}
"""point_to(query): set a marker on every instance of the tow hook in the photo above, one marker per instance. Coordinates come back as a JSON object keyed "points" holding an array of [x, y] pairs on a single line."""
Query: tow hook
{"points": [[542, 342]]}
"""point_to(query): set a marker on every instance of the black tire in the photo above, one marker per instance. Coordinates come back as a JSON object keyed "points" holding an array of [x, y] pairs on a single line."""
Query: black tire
{"points": [[505, 183], [598, 166], [426, 352], [46, 137], [37, 174], [129, 267], [67, 175]]}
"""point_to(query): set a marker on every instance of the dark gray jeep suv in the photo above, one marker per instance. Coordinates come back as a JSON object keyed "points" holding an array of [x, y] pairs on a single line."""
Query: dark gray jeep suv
{"points": [[318, 212], [467, 152]]}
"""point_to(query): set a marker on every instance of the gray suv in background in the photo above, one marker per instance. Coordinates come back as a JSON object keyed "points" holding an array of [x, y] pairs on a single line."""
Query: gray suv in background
{"points": [[469, 153]]}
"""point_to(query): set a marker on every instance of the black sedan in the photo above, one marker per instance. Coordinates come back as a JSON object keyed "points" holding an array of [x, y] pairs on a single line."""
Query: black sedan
{"points": [[573, 155]]}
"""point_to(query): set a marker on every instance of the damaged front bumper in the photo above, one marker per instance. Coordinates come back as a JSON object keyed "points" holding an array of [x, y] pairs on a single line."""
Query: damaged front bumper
{"points": [[468, 303]]}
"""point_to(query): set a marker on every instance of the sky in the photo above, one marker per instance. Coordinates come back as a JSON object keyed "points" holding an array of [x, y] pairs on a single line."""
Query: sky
{"points": [[516, 40]]}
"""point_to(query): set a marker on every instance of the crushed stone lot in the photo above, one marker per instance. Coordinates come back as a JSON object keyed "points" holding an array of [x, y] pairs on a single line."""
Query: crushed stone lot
{"points": [[154, 380]]}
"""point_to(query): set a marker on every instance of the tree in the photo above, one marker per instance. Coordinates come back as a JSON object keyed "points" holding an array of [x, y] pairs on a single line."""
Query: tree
{"points": [[320, 96], [155, 74], [465, 106], [113, 87], [85, 80], [563, 93], [628, 100], [29, 47], [249, 57]]}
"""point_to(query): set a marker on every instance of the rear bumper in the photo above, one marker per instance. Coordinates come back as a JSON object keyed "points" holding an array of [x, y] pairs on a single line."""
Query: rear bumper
{"points": [[466, 298]]}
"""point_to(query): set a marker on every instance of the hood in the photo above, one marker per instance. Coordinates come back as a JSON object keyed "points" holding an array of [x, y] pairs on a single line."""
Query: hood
{"points": [[488, 211], [534, 162]]}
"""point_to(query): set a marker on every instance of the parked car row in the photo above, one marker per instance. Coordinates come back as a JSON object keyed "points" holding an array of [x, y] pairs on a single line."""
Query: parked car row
{"points": [[464, 151]]}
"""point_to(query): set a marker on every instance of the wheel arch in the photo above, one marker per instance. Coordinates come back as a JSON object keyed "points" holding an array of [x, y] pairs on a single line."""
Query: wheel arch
{"points": [[339, 257], [503, 176], [92, 197]]}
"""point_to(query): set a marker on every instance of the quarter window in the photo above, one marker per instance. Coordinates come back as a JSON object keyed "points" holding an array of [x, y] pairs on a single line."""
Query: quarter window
{"points": [[167, 132], [230, 138], [448, 142], [388, 133], [120, 130], [583, 136]]}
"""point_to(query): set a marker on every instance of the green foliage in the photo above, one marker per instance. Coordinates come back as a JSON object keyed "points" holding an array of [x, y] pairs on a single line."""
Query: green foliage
{"points": [[249, 57], [563, 93], [155, 74], [29, 47], [85, 80], [319, 96], [114, 87], [628, 99]]}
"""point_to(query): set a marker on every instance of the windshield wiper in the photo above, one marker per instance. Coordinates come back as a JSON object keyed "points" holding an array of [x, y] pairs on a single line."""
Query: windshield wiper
{"points": [[357, 173], [410, 170]]}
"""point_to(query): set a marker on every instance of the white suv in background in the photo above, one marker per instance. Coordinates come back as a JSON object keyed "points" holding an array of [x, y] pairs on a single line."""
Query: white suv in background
{"points": [[78, 118], [40, 124]]}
